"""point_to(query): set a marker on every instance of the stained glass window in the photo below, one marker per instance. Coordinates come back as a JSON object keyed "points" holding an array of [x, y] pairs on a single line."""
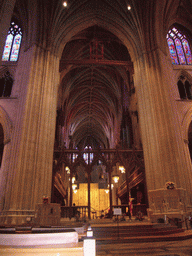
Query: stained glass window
{"points": [[7, 47], [179, 47], [187, 51], [86, 155], [180, 52], [13, 43], [172, 51]]}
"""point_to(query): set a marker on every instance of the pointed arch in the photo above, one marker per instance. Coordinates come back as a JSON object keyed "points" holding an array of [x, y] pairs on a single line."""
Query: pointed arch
{"points": [[185, 85], [186, 123], [6, 83], [1, 143], [6, 125]]}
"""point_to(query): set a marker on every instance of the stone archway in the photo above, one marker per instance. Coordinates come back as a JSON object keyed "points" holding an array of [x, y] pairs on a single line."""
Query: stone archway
{"points": [[1, 143], [190, 139], [97, 103], [5, 137]]}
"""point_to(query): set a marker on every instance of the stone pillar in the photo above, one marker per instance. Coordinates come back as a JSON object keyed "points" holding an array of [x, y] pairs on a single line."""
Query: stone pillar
{"points": [[89, 191], [71, 194], [7, 129], [4, 173], [30, 168], [6, 11], [110, 191], [162, 138]]}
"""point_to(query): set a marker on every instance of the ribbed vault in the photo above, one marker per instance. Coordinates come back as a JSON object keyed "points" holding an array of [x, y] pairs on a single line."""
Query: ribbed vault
{"points": [[92, 95]]}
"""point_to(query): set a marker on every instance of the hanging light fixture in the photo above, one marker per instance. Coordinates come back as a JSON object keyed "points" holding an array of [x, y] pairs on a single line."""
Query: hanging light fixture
{"points": [[65, 4], [67, 170], [74, 186], [122, 169], [128, 7], [73, 179], [115, 178], [106, 190]]}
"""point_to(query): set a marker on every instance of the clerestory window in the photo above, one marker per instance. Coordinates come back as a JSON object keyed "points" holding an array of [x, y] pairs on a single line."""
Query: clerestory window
{"points": [[12, 43], [179, 47]]}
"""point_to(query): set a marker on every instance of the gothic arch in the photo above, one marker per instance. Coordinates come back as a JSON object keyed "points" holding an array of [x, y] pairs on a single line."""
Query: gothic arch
{"points": [[187, 132], [190, 139], [182, 72], [176, 77], [6, 81], [6, 124], [1, 143], [123, 35], [187, 119]]}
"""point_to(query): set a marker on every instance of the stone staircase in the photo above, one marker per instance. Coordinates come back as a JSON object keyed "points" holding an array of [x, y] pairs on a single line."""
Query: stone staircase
{"points": [[122, 233]]}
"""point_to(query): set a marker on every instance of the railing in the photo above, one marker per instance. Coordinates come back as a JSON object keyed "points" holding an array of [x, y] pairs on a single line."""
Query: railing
{"points": [[176, 221], [81, 211], [100, 214], [94, 213]]}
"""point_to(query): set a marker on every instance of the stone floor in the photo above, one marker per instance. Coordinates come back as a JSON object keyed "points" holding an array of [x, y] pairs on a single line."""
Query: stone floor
{"points": [[166, 248], [173, 248], [181, 247]]}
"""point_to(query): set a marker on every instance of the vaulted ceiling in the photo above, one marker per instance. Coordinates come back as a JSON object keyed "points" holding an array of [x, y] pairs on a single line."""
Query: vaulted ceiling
{"points": [[95, 76], [92, 97]]}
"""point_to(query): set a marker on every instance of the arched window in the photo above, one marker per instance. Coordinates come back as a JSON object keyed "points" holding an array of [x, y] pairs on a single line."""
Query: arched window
{"points": [[86, 155], [13, 43], [6, 83], [179, 47], [184, 88]]}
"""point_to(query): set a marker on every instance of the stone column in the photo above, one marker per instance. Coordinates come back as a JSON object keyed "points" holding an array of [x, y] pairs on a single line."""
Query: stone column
{"points": [[6, 11], [7, 129], [30, 168], [89, 191], [161, 133], [4, 173], [110, 191]]}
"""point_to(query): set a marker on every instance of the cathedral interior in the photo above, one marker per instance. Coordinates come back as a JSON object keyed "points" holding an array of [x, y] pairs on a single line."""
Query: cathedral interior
{"points": [[95, 107]]}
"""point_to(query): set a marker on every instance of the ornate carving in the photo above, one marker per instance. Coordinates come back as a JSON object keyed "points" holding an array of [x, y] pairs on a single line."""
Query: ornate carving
{"points": [[170, 185]]}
